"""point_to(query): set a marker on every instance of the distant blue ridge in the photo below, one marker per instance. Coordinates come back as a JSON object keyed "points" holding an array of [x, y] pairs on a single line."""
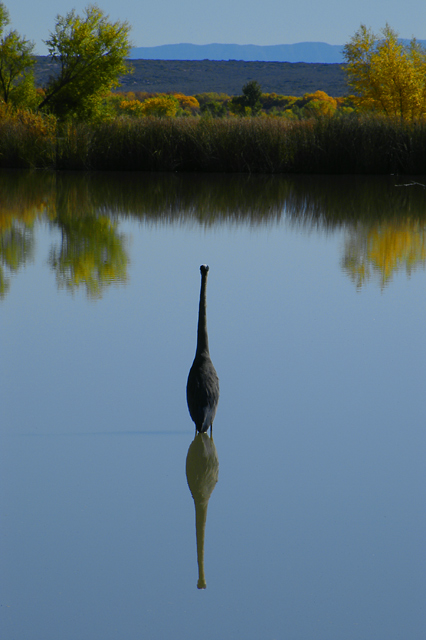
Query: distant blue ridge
{"points": [[300, 52], [319, 52]]}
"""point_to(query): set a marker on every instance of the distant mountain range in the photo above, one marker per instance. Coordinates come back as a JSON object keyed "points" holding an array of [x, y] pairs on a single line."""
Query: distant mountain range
{"points": [[300, 52], [310, 52]]}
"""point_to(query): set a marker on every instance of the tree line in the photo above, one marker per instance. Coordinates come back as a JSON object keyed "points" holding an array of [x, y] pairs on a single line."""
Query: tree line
{"points": [[384, 76]]}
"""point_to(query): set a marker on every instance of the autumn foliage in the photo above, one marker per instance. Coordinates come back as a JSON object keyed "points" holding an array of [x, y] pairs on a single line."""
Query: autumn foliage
{"points": [[388, 77]]}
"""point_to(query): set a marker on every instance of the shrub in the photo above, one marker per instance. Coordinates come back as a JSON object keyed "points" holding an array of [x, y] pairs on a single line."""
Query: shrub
{"points": [[189, 104], [132, 108], [160, 106], [214, 109], [26, 139]]}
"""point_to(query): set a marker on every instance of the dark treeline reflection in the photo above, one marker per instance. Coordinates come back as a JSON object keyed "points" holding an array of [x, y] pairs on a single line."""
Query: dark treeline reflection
{"points": [[320, 201], [380, 214]]}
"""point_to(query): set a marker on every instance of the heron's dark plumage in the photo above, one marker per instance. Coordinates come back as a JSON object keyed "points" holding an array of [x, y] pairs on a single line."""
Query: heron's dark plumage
{"points": [[202, 389]]}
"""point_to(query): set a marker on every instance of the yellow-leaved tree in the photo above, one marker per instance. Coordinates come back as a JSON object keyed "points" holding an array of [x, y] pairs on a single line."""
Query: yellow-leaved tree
{"points": [[160, 106], [318, 104], [388, 76]]}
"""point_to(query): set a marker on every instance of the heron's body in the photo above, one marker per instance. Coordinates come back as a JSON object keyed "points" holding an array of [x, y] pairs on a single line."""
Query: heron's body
{"points": [[202, 389]]}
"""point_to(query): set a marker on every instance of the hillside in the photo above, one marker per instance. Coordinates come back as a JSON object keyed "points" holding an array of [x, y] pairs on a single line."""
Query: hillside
{"points": [[199, 76]]}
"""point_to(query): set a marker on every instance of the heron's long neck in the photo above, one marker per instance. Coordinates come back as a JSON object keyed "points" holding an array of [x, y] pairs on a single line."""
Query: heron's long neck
{"points": [[202, 337]]}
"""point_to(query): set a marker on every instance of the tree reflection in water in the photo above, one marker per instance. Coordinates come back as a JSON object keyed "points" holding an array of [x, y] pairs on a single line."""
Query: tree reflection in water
{"points": [[91, 254], [384, 225], [382, 250], [16, 250]]}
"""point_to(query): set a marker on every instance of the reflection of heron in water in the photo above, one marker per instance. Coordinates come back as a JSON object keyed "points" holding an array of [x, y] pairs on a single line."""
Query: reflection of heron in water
{"points": [[202, 388], [202, 472]]}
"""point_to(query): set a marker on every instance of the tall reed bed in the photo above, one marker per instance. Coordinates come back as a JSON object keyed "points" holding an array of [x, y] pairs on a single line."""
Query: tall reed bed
{"points": [[257, 145], [190, 144]]}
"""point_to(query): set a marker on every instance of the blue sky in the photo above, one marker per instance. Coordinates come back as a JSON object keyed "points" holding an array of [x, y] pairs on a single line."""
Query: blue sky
{"points": [[230, 21]]}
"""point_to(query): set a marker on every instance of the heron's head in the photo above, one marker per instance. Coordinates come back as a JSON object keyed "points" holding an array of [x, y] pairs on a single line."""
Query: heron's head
{"points": [[204, 269]]}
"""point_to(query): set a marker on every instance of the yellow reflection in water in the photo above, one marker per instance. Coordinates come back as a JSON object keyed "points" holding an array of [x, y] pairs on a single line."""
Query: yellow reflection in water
{"points": [[384, 249]]}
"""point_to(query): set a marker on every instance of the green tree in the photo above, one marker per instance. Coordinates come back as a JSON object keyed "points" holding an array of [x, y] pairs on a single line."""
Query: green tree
{"points": [[91, 53], [16, 62], [252, 92], [213, 108], [387, 76], [249, 102]]}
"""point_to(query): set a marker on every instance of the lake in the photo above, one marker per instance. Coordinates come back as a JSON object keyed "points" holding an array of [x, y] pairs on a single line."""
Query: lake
{"points": [[316, 312]]}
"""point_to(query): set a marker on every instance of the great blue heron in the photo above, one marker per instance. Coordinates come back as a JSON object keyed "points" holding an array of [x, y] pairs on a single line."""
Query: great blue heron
{"points": [[202, 388]]}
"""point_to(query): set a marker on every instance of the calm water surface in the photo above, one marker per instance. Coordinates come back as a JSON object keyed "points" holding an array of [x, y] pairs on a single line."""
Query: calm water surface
{"points": [[316, 317]]}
